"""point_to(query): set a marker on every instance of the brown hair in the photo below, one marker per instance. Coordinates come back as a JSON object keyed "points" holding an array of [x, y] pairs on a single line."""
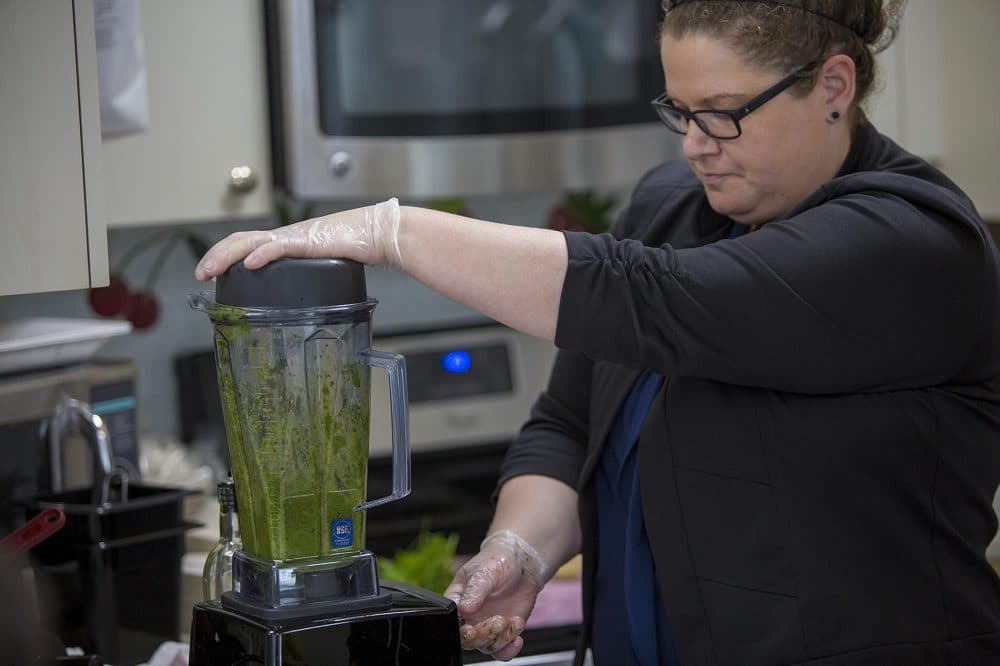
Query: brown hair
{"points": [[788, 34]]}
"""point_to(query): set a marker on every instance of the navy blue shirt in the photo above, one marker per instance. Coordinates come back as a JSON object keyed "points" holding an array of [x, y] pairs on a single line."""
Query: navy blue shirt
{"points": [[627, 599]]}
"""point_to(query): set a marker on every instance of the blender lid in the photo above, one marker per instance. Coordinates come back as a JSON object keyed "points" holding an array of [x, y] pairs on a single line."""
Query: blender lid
{"points": [[293, 283]]}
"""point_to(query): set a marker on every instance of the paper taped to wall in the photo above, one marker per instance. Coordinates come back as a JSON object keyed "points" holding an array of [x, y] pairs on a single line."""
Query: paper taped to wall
{"points": [[121, 67]]}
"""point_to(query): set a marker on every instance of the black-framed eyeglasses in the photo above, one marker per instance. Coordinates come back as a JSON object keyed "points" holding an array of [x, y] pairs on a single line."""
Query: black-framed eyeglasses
{"points": [[720, 124]]}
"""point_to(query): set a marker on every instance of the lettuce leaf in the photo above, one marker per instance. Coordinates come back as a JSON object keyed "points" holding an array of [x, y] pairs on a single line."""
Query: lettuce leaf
{"points": [[426, 563]]}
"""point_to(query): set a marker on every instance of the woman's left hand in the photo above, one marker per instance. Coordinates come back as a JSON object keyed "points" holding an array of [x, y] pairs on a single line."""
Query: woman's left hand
{"points": [[368, 235], [495, 592]]}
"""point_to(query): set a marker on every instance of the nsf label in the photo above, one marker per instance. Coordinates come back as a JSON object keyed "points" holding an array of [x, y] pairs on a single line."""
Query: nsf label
{"points": [[342, 533]]}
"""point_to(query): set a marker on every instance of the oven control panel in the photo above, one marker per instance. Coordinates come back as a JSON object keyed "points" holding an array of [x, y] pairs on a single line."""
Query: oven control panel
{"points": [[465, 386], [459, 371]]}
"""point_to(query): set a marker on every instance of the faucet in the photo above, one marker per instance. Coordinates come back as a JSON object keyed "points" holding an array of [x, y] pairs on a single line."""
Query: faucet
{"points": [[74, 412]]}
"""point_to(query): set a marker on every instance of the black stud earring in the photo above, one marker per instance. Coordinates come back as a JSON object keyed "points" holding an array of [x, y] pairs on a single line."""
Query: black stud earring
{"points": [[835, 115]]}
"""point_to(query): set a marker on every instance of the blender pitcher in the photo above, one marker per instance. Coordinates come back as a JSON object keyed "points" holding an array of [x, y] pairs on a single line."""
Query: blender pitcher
{"points": [[293, 355]]}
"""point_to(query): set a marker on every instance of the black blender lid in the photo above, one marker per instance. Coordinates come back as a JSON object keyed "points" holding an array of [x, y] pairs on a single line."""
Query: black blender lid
{"points": [[293, 283]]}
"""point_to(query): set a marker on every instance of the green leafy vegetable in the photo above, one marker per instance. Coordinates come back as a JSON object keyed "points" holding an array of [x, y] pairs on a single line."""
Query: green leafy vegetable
{"points": [[426, 563]]}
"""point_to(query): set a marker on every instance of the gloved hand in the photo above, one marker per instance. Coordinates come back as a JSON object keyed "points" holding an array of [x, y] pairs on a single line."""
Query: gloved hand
{"points": [[368, 235], [495, 592]]}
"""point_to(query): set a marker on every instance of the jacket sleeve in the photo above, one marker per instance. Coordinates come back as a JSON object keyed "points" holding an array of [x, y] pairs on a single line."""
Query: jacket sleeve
{"points": [[867, 291]]}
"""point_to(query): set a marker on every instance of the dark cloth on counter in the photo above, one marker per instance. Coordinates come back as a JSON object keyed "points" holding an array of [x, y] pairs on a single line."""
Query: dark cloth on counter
{"points": [[818, 471]]}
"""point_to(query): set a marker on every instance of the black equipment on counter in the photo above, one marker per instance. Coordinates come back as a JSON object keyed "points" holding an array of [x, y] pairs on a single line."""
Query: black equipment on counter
{"points": [[417, 629], [115, 569]]}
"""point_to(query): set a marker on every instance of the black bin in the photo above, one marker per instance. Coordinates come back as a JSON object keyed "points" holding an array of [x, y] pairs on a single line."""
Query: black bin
{"points": [[116, 570]]}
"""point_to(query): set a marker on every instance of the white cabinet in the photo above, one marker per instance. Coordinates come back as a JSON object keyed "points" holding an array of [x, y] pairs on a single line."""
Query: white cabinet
{"points": [[51, 211], [206, 75]]}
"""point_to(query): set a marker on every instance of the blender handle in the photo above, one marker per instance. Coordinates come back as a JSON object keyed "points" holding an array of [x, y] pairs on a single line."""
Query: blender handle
{"points": [[395, 367]]}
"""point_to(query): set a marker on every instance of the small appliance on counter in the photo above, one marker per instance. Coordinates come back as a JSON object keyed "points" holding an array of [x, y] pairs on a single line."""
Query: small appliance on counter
{"points": [[463, 97], [470, 388], [293, 356], [44, 363], [36, 459]]}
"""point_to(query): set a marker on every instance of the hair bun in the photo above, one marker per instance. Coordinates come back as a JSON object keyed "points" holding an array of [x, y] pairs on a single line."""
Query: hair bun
{"points": [[882, 31]]}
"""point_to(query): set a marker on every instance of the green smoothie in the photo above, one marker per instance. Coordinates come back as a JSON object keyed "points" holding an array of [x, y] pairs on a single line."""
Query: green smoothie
{"points": [[296, 405]]}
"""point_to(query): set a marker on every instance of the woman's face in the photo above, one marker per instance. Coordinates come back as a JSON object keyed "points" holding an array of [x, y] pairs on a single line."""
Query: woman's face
{"points": [[787, 148]]}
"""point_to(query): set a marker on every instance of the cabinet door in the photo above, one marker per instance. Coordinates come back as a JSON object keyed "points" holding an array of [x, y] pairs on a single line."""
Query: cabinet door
{"points": [[51, 214], [206, 75]]}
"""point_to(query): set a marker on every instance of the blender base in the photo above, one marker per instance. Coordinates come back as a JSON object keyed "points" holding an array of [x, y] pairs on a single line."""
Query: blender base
{"points": [[419, 628], [302, 588], [232, 601]]}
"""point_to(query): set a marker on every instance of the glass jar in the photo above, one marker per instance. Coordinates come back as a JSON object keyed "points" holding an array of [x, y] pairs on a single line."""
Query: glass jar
{"points": [[218, 573]]}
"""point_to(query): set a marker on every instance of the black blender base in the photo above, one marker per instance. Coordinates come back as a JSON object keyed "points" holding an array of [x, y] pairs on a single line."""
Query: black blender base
{"points": [[233, 602], [419, 628]]}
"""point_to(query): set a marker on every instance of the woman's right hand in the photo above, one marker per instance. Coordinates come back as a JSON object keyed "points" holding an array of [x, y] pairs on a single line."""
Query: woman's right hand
{"points": [[368, 235], [495, 592]]}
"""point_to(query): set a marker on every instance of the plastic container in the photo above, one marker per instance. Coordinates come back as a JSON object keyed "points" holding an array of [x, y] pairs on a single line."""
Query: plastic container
{"points": [[117, 570], [148, 508], [119, 599], [293, 358]]}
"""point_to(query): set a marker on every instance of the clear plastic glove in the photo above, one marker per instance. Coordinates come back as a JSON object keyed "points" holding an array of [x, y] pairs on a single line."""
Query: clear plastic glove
{"points": [[369, 235], [495, 592]]}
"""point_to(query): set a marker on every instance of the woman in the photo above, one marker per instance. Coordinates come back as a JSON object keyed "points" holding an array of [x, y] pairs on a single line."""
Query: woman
{"points": [[795, 332]]}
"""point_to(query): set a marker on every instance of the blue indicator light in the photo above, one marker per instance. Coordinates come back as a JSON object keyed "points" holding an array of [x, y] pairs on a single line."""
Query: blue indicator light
{"points": [[456, 361]]}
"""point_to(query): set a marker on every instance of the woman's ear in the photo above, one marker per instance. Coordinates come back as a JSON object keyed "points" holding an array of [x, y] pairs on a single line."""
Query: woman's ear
{"points": [[836, 83]]}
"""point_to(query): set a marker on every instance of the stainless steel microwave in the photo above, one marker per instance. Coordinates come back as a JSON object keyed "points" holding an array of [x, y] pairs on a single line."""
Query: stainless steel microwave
{"points": [[429, 98]]}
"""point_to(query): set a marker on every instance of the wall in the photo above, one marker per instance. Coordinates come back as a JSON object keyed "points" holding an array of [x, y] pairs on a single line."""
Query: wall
{"points": [[403, 303], [970, 56]]}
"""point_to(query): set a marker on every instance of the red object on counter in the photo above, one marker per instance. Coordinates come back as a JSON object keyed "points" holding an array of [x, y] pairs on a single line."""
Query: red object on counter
{"points": [[35, 531]]}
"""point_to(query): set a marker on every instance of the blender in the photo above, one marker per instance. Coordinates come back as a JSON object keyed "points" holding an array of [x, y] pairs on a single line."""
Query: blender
{"points": [[293, 358]]}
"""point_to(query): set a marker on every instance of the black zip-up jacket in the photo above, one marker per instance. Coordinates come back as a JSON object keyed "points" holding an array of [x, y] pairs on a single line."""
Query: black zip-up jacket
{"points": [[817, 473]]}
